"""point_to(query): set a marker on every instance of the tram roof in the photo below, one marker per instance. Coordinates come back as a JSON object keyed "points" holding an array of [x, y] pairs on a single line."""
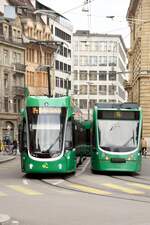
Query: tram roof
{"points": [[64, 101], [126, 105]]}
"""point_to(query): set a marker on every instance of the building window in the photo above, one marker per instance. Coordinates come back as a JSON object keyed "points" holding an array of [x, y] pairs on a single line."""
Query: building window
{"points": [[5, 81], [75, 74], [102, 100], [16, 58], [6, 104], [112, 90], [61, 66], [57, 65], [83, 103], [65, 52], [83, 60], [112, 75], [92, 75], [76, 90], [93, 61], [112, 100], [75, 60], [83, 89], [102, 75], [6, 57], [102, 60], [112, 61], [93, 89], [102, 89], [61, 83], [84, 46], [92, 102], [103, 46], [83, 74], [57, 81]]}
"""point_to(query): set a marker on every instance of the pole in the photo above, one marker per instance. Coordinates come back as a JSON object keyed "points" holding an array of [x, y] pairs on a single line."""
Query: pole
{"points": [[88, 101], [49, 81], [67, 87]]}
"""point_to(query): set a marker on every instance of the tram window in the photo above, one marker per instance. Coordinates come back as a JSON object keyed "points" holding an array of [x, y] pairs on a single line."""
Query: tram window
{"points": [[118, 115], [68, 136], [22, 136]]}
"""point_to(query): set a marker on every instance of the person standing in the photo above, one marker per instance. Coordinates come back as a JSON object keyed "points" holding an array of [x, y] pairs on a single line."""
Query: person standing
{"points": [[144, 146]]}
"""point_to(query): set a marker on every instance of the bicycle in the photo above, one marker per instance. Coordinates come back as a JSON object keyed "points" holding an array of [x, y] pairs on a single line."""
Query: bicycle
{"points": [[10, 150]]}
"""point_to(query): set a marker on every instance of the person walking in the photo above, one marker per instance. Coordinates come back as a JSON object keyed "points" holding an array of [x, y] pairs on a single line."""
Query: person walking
{"points": [[144, 146], [1, 146]]}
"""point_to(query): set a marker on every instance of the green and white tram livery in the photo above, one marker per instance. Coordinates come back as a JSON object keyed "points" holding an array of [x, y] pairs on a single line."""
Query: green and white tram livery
{"points": [[117, 137], [46, 135]]}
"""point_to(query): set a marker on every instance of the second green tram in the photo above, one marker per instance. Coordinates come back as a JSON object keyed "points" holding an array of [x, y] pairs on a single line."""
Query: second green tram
{"points": [[47, 135], [117, 130]]}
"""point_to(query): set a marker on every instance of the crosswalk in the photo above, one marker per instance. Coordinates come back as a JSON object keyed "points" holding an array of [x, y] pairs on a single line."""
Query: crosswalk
{"points": [[104, 189], [19, 189], [111, 188]]}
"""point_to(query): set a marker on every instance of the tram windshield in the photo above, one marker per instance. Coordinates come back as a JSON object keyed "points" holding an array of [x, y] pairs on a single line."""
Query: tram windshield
{"points": [[46, 128], [120, 134]]}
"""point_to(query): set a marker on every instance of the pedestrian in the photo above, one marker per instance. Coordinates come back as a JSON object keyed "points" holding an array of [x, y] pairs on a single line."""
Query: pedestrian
{"points": [[14, 144], [144, 146], [1, 146]]}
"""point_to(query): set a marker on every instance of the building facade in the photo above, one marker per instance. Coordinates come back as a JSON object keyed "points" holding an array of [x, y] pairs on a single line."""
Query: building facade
{"points": [[12, 76], [138, 85], [61, 32], [99, 63]]}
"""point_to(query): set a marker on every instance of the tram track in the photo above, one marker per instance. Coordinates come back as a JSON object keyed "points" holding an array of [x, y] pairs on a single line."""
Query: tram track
{"points": [[135, 198]]}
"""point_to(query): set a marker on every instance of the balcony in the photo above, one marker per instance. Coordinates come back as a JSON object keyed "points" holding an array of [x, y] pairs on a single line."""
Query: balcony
{"points": [[18, 91], [19, 68]]}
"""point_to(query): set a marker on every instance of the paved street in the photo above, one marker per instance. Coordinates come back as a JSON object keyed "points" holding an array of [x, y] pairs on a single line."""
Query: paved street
{"points": [[85, 198]]}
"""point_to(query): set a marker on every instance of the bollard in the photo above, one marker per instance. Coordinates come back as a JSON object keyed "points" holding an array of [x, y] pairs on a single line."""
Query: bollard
{"points": [[4, 219]]}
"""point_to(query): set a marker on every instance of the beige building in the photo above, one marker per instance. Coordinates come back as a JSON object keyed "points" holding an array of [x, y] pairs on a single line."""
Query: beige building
{"points": [[12, 74], [38, 53], [138, 86]]}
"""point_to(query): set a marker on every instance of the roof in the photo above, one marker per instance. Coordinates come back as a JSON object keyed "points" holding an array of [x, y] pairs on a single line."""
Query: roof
{"points": [[126, 105], [20, 3], [88, 34], [39, 5]]}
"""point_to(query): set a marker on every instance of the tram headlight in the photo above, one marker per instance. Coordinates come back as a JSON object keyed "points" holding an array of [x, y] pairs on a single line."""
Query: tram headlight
{"points": [[107, 158], [130, 157]]}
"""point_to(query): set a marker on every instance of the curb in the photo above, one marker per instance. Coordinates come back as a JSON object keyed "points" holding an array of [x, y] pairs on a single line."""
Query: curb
{"points": [[6, 160]]}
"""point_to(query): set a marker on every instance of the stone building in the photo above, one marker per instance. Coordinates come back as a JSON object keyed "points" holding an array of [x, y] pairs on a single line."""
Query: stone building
{"points": [[12, 74], [138, 86], [38, 53]]}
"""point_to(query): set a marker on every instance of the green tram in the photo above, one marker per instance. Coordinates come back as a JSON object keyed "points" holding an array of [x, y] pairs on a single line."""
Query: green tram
{"points": [[49, 135], [116, 137]]}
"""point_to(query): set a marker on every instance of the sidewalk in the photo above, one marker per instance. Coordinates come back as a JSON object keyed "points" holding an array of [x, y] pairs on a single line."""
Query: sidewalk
{"points": [[5, 158]]}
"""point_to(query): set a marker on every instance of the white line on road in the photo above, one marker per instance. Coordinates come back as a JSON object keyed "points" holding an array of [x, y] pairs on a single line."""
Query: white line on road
{"points": [[58, 182], [25, 181]]}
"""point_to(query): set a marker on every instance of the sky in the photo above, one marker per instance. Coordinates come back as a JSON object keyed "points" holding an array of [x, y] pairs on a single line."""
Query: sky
{"points": [[96, 21]]}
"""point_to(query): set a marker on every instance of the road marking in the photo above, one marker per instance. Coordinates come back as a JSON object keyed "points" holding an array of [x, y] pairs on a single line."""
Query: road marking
{"points": [[83, 169], [123, 189], [144, 186], [2, 194], [58, 182], [24, 190], [89, 189], [25, 182]]}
